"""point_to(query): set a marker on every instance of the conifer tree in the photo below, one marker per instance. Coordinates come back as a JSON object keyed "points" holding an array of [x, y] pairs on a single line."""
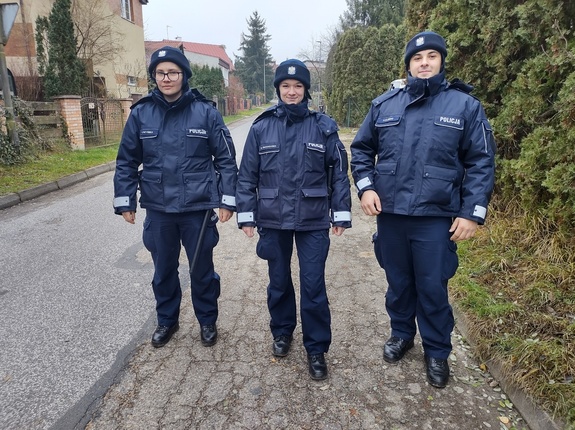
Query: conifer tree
{"points": [[208, 80], [64, 72], [254, 65]]}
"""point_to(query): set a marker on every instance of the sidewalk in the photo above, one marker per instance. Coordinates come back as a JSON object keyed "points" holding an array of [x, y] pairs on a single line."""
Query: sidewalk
{"points": [[238, 384]]}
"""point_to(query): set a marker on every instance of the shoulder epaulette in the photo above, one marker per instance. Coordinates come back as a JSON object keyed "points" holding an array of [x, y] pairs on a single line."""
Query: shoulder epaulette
{"points": [[200, 97], [460, 85], [268, 112], [385, 96], [145, 99], [325, 123]]}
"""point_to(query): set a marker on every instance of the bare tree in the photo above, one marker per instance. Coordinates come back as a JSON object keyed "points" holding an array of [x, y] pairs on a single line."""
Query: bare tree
{"points": [[99, 42]]}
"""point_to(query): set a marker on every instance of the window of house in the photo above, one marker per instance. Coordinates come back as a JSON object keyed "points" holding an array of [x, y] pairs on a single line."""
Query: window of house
{"points": [[127, 9], [132, 81]]}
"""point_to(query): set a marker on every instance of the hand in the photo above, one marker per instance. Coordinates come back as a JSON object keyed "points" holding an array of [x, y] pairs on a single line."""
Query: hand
{"points": [[249, 231], [338, 231], [129, 216], [462, 229], [224, 214], [370, 203]]}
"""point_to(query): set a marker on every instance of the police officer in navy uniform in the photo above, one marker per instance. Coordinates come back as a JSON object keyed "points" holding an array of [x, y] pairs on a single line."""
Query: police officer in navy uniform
{"points": [[188, 168], [423, 162], [293, 183]]}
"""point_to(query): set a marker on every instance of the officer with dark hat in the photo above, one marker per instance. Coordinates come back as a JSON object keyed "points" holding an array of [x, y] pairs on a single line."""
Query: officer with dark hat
{"points": [[188, 168], [292, 159], [423, 163]]}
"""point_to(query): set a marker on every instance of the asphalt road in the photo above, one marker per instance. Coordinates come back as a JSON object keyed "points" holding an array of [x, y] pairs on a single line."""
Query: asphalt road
{"points": [[75, 300]]}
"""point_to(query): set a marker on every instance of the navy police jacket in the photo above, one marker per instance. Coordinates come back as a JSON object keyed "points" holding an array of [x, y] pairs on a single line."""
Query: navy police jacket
{"points": [[283, 177], [427, 150], [186, 155]]}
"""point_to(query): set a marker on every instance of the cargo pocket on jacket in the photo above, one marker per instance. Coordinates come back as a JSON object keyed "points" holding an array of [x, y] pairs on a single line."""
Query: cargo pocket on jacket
{"points": [[384, 181], [196, 142], [269, 154], [314, 205], [437, 187], [197, 187], [151, 189], [268, 205], [315, 157]]}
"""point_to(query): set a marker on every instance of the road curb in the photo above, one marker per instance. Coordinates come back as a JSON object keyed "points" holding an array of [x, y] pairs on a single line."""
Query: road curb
{"points": [[534, 416], [13, 199]]}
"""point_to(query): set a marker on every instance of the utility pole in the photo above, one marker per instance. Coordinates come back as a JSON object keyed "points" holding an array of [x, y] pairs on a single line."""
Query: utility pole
{"points": [[264, 79]]}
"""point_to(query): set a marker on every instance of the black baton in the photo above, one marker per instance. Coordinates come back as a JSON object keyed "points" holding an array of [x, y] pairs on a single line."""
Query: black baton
{"points": [[200, 241]]}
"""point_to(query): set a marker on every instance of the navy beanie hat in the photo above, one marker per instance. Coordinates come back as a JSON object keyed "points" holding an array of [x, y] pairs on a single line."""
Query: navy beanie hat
{"points": [[174, 55], [423, 41], [292, 69]]}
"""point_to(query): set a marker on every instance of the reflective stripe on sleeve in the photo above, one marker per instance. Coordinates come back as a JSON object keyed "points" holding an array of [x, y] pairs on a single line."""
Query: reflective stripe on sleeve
{"points": [[479, 211], [245, 217], [365, 182], [342, 216], [228, 200], [121, 202]]}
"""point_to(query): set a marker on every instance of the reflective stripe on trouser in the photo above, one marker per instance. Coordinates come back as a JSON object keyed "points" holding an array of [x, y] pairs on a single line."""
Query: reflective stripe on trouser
{"points": [[163, 235], [276, 246], [419, 259]]}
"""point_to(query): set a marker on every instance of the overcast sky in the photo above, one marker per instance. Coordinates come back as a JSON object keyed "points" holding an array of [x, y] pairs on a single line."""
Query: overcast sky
{"points": [[295, 26]]}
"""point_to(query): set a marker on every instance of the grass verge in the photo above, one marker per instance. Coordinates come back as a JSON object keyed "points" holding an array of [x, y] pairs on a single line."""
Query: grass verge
{"points": [[516, 286]]}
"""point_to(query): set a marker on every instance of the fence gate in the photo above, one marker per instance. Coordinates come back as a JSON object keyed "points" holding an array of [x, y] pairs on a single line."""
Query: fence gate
{"points": [[102, 121]]}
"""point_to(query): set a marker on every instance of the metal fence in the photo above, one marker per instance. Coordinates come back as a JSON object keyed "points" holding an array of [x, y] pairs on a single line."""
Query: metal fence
{"points": [[102, 121]]}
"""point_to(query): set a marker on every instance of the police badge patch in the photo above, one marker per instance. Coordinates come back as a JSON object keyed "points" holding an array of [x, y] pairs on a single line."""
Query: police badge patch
{"points": [[291, 70], [420, 41]]}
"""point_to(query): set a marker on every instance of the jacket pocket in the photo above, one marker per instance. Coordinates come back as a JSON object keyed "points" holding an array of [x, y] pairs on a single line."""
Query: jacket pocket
{"points": [[315, 157], [389, 132], [151, 188], [196, 142], [150, 143], [197, 187], [384, 182], [314, 205], [269, 154], [445, 136], [268, 205], [438, 188]]}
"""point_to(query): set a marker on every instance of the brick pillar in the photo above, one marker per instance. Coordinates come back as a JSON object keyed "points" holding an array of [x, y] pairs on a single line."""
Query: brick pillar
{"points": [[126, 103], [72, 115]]}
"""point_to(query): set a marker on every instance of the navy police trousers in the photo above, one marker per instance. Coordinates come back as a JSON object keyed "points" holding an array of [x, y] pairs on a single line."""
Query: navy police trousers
{"points": [[163, 236], [418, 259], [276, 246]]}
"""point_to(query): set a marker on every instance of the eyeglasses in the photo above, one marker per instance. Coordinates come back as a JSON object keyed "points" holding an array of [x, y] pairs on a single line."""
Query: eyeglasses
{"points": [[172, 76]]}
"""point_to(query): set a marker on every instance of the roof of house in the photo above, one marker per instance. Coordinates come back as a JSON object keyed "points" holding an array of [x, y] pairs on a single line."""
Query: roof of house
{"points": [[217, 51]]}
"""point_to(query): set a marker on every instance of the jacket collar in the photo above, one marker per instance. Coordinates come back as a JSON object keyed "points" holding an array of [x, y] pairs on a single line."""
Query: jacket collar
{"points": [[419, 88]]}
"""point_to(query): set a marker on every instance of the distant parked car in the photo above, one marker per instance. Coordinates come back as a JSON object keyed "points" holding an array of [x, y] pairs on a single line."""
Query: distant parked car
{"points": [[397, 83], [13, 91]]}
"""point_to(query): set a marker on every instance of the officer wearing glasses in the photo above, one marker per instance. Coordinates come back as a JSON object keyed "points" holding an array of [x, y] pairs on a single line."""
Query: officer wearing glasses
{"points": [[188, 169]]}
